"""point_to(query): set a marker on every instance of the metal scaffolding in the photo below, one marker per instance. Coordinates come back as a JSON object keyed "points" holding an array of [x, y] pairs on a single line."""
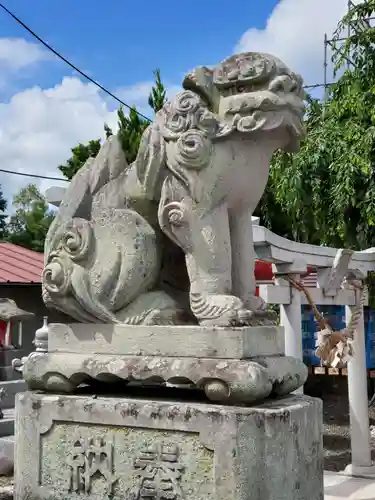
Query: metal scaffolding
{"points": [[354, 27]]}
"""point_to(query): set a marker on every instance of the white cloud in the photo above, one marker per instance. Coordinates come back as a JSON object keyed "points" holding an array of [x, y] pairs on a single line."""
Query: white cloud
{"points": [[137, 95], [38, 127], [295, 33], [17, 53], [19, 58]]}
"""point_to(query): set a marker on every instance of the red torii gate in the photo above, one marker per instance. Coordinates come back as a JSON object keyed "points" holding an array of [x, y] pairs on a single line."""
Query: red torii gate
{"points": [[263, 272]]}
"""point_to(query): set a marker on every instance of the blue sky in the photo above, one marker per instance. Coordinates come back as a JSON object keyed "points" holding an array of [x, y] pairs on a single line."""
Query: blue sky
{"points": [[46, 109], [121, 43]]}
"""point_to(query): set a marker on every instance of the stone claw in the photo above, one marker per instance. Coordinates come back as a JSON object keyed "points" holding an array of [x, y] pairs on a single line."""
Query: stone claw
{"points": [[220, 310], [257, 305], [245, 316]]}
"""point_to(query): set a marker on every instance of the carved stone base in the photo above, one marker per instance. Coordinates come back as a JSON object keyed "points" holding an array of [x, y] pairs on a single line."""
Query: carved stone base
{"points": [[81, 447], [175, 341], [227, 381], [232, 365]]}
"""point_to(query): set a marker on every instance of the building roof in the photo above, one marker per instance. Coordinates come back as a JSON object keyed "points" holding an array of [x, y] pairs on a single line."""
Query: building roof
{"points": [[20, 265]]}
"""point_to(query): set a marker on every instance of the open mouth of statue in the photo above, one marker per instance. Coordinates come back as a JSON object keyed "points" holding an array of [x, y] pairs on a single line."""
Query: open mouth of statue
{"points": [[264, 100], [283, 84]]}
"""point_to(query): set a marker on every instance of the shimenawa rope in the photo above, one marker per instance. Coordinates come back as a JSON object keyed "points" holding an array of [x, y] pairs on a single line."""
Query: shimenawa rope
{"points": [[334, 348]]}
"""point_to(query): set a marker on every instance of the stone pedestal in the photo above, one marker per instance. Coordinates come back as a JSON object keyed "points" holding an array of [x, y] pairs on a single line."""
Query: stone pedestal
{"points": [[99, 448], [84, 446], [231, 365]]}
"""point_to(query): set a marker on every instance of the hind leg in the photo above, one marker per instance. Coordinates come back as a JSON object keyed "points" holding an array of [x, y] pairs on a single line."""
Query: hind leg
{"points": [[152, 308]]}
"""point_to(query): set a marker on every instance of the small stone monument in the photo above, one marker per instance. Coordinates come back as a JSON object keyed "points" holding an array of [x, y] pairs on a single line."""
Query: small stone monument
{"points": [[155, 262]]}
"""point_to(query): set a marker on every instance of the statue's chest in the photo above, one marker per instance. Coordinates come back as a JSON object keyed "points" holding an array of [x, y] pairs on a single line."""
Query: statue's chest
{"points": [[244, 169]]}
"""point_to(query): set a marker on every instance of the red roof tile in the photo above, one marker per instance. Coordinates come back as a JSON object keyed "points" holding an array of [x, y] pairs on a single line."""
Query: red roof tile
{"points": [[20, 265]]}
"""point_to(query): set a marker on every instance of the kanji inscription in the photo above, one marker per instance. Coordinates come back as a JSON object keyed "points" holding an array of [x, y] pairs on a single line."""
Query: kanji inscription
{"points": [[159, 473], [91, 456]]}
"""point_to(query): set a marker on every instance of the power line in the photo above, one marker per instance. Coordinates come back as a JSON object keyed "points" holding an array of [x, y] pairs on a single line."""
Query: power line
{"points": [[69, 63], [34, 175], [317, 85]]}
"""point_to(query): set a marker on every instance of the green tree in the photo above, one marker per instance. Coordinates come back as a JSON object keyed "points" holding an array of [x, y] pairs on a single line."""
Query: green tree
{"points": [[130, 130], [29, 225], [3, 224], [325, 194], [132, 126], [80, 154], [158, 94]]}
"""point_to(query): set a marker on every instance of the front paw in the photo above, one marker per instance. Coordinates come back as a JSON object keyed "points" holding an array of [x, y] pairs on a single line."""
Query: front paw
{"points": [[219, 310], [257, 305]]}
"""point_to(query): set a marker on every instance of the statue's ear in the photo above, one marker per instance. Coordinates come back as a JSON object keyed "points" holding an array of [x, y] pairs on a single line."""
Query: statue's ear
{"points": [[150, 159], [200, 81]]}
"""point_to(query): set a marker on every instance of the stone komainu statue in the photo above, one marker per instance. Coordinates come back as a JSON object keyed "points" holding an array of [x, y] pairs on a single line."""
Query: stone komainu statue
{"points": [[168, 239]]}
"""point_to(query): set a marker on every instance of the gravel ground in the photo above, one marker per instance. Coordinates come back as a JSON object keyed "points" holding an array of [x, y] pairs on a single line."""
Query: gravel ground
{"points": [[6, 481], [336, 439], [6, 487]]}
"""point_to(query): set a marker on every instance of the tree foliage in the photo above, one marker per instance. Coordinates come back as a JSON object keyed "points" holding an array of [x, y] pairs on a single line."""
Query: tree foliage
{"points": [[80, 154], [158, 94], [132, 126], [130, 130], [3, 225], [29, 225], [325, 194]]}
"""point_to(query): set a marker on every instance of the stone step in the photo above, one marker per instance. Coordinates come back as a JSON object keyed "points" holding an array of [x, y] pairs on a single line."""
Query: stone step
{"points": [[7, 422], [8, 355], [8, 374], [11, 388]]}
